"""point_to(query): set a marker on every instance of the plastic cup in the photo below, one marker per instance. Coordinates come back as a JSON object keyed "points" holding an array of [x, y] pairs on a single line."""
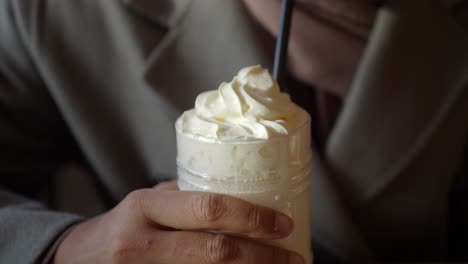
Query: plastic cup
{"points": [[273, 173]]}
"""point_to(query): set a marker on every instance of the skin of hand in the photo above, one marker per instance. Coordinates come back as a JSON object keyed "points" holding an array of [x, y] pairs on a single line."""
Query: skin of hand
{"points": [[164, 225], [327, 38]]}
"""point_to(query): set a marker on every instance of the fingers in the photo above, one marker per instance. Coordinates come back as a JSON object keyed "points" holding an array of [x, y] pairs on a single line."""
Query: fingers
{"points": [[208, 211], [200, 248], [167, 186]]}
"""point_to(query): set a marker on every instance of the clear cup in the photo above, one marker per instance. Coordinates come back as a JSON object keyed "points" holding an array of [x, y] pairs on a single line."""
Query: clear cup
{"points": [[273, 173]]}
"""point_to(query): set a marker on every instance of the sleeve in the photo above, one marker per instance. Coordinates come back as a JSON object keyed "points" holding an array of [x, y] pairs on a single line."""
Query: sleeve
{"points": [[34, 143], [27, 228]]}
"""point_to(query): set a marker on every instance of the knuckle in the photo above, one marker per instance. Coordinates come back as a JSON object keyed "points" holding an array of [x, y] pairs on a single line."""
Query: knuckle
{"points": [[119, 257], [123, 248], [119, 250], [209, 207], [133, 206], [133, 199], [254, 217], [221, 248]]}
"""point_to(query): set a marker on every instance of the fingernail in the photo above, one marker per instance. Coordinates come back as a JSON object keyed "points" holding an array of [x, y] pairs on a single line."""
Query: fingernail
{"points": [[283, 224], [296, 259]]}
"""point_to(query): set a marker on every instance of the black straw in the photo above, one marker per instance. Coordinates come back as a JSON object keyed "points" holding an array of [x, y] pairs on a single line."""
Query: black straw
{"points": [[283, 41]]}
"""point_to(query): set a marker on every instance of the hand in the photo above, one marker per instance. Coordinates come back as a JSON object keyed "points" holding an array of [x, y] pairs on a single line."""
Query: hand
{"points": [[327, 38], [164, 225]]}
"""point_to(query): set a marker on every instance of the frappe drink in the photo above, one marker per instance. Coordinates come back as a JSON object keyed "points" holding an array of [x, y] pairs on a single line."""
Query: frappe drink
{"points": [[249, 140]]}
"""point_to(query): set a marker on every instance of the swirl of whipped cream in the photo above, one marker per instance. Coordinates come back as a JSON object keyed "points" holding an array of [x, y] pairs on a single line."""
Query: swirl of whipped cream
{"points": [[250, 107]]}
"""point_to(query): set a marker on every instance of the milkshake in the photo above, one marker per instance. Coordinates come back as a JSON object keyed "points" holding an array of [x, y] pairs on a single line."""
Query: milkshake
{"points": [[249, 140]]}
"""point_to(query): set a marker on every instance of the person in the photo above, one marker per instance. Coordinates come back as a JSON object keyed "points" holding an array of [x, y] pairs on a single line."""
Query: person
{"points": [[99, 84]]}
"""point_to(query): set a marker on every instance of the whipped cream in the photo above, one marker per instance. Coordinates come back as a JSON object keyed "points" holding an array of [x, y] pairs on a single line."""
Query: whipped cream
{"points": [[250, 107]]}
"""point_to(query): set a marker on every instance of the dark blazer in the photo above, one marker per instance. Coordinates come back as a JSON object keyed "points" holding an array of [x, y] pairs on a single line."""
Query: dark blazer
{"points": [[100, 83]]}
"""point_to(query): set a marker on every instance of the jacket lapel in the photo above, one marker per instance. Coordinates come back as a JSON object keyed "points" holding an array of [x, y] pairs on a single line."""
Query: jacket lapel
{"points": [[212, 41], [413, 70], [333, 227], [162, 12]]}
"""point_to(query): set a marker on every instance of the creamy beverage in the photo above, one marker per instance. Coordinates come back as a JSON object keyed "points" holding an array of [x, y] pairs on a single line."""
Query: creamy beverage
{"points": [[249, 140]]}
